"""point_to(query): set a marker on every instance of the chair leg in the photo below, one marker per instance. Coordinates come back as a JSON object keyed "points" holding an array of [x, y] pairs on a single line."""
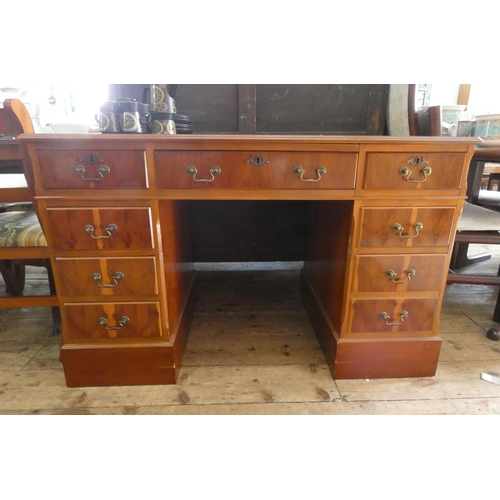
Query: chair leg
{"points": [[20, 273], [461, 259], [14, 276], [56, 313], [56, 321], [493, 333], [12, 285]]}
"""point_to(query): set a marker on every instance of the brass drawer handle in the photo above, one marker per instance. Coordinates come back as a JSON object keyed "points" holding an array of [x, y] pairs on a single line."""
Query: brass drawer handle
{"points": [[407, 173], [103, 170], [214, 171], [121, 323], [393, 276], [387, 318], [116, 278], [110, 229], [399, 229], [298, 170]]}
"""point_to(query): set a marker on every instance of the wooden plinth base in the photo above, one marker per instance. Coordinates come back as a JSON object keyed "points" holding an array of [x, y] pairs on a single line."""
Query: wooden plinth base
{"points": [[370, 358], [106, 366]]}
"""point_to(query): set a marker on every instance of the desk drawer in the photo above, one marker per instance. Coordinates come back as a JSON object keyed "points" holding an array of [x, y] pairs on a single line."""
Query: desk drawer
{"points": [[407, 171], [100, 228], [113, 277], [126, 320], [93, 169], [401, 273], [393, 317], [252, 170], [415, 227]]}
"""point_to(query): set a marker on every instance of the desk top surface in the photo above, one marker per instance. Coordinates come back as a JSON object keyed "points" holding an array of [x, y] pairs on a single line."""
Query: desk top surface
{"points": [[220, 138]]}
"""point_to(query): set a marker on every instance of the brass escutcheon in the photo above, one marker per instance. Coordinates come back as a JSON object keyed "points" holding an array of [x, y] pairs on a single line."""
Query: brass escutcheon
{"points": [[257, 161], [91, 159]]}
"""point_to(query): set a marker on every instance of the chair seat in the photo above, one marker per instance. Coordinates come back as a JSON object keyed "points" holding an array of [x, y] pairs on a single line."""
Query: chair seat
{"points": [[476, 218], [21, 229]]}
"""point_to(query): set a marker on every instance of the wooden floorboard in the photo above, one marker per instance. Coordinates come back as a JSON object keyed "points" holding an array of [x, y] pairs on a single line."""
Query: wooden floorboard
{"points": [[252, 351]]}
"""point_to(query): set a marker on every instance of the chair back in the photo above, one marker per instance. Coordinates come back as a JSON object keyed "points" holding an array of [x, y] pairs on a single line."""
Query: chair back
{"points": [[15, 118], [423, 122]]}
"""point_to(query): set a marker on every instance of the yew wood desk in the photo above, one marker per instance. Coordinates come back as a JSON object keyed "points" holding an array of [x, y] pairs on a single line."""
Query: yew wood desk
{"points": [[116, 213]]}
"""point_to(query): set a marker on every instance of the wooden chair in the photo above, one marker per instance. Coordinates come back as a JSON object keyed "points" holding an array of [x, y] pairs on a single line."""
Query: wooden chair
{"points": [[22, 241], [476, 225]]}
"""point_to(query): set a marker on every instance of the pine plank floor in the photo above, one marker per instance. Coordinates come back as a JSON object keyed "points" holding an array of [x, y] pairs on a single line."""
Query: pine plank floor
{"points": [[252, 351]]}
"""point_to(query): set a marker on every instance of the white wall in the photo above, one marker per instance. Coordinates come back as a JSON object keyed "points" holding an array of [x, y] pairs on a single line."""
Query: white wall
{"points": [[445, 94], [484, 98], [75, 102]]}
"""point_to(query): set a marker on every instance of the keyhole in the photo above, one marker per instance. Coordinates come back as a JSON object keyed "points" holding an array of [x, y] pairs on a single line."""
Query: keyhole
{"points": [[257, 161]]}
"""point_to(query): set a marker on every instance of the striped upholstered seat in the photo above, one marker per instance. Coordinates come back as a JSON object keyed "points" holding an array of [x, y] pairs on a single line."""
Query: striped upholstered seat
{"points": [[16, 207], [21, 229]]}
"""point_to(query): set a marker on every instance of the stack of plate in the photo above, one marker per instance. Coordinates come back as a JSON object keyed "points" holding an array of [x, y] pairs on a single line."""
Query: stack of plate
{"points": [[183, 124]]}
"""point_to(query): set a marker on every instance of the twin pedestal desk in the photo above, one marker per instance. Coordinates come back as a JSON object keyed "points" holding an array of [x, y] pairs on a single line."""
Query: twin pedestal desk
{"points": [[116, 214]]}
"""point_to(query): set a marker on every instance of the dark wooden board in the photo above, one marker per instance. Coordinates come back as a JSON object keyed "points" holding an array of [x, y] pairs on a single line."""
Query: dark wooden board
{"points": [[329, 109]]}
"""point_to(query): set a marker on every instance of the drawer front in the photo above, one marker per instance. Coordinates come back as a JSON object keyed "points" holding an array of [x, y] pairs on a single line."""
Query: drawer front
{"points": [[100, 228], [251, 170], [89, 169], [401, 273], [126, 320], [114, 277], [393, 317], [406, 227], [414, 171]]}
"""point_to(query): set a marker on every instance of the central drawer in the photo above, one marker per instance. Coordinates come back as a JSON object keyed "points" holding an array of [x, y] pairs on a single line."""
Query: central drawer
{"points": [[117, 228], [252, 170]]}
